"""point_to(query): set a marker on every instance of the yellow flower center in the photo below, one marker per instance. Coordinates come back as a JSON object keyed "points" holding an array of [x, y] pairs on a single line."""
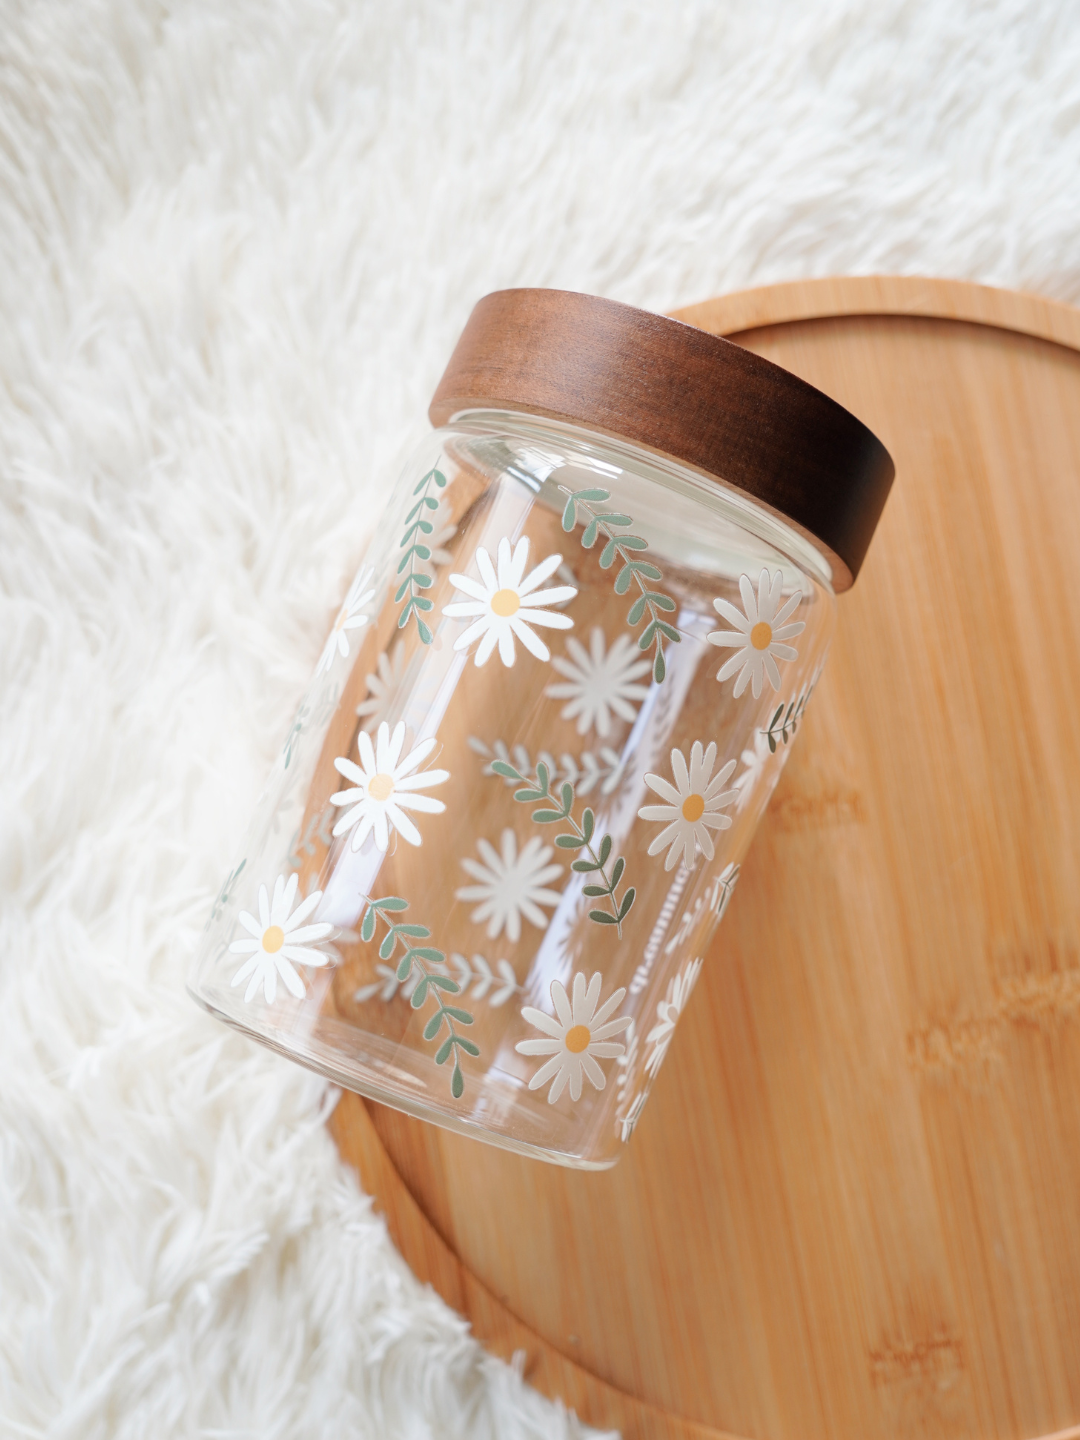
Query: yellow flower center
{"points": [[343, 615], [381, 786], [505, 603], [273, 939], [577, 1039], [693, 807], [761, 635]]}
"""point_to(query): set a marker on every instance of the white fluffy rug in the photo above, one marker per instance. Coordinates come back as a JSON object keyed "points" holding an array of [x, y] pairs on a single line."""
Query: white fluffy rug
{"points": [[237, 242]]}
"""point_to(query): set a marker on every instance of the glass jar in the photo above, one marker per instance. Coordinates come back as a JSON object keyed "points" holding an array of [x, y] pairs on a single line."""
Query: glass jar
{"points": [[509, 814]]}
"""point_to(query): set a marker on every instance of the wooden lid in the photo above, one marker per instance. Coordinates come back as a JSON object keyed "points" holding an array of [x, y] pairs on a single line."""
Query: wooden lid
{"points": [[680, 391]]}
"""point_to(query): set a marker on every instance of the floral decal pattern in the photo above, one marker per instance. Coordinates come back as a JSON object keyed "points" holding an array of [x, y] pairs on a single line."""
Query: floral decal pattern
{"points": [[279, 940], [600, 682], [694, 805], [787, 715], [510, 885], [628, 549], [753, 762], [352, 616], [415, 562], [385, 785], [382, 688], [555, 807], [422, 965], [503, 606], [600, 771], [667, 1015], [759, 634], [576, 1037], [602, 685], [478, 978]]}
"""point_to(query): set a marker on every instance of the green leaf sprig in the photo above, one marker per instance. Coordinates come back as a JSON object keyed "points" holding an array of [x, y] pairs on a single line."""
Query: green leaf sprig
{"points": [[416, 527], [225, 895], [584, 771], [626, 548], [786, 717], [578, 837], [292, 740], [420, 958]]}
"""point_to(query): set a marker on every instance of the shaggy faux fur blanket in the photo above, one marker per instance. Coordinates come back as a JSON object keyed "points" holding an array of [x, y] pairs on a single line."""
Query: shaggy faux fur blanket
{"points": [[237, 243]]}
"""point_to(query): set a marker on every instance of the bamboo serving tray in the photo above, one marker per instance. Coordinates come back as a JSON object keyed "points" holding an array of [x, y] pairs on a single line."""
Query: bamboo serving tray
{"points": [[852, 1207]]}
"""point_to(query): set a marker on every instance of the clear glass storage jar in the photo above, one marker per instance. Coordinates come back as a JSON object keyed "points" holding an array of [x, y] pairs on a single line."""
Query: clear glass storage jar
{"points": [[483, 878]]}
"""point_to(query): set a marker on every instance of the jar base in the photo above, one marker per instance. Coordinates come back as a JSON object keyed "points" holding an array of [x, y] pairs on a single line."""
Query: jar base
{"points": [[432, 1116]]}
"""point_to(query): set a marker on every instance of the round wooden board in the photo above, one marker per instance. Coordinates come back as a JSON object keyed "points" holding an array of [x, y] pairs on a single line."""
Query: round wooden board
{"points": [[852, 1207]]}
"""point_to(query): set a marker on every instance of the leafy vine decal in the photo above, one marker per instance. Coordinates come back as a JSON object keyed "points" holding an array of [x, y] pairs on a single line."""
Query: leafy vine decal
{"points": [[300, 719], [416, 527], [386, 986], [416, 960], [478, 972], [623, 547], [492, 983], [579, 837], [786, 717], [318, 828], [225, 895], [305, 716], [584, 771]]}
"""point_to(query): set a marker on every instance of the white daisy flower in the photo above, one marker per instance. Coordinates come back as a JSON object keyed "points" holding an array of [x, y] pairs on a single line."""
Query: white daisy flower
{"points": [[280, 940], [758, 633], [577, 1036], [600, 681], [511, 885], [386, 787], [667, 1014], [753, 764], [694, 805], [350, 617], [506, 604], [382, 688]]}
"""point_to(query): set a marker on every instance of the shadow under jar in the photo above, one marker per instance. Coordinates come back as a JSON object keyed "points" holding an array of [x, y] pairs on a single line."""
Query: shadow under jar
{"points": [[511, 809]]}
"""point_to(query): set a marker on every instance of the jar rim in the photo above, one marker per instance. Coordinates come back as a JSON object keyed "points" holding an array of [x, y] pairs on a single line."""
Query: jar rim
{"points": [[701, 400], [804, 551]]}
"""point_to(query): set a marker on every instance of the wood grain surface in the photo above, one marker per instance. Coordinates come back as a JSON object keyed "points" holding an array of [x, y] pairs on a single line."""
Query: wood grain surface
{"points": [[852, 1206]]}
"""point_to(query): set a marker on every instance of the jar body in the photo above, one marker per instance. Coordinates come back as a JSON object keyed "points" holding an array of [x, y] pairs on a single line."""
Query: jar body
{"points": [[510, 811]]}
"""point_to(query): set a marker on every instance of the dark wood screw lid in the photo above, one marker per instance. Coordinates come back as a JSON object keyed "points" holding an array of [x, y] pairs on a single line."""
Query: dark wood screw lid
{"points": [[680, 391]]}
